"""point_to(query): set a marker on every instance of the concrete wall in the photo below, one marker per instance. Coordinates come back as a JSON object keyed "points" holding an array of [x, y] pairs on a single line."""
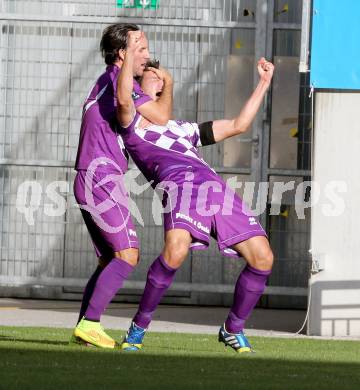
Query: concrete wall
{"points": [[335, 236]]}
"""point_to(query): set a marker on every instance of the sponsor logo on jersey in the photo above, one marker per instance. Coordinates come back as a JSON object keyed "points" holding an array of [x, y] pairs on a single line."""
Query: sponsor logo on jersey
{"points": [[132, 232], [252, 221], [135, 96], [197, 224]]}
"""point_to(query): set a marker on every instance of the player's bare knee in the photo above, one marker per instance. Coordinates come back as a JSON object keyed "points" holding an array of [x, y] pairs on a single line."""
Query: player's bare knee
{"points": [[174, 258], [175, 252], [130, 255], [263, 258]]}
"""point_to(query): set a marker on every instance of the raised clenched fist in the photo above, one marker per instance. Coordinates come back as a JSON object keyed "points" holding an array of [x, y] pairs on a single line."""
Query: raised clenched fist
{"points": [[265, 69]]}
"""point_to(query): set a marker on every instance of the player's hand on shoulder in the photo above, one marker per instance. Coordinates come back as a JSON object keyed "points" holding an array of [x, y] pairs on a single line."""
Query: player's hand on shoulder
{"points": [[162, 73], [265, 69]]}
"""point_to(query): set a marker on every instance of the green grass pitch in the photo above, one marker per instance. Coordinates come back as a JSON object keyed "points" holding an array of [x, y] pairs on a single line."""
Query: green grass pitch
{"points": [[40, 358]]}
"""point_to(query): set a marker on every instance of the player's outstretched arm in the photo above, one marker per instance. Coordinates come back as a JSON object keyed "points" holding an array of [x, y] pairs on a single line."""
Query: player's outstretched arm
{"points": [[227, 128], [160, 112], [125, 108]]}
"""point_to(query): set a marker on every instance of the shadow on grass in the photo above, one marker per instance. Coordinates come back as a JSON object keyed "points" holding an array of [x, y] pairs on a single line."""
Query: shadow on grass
{"points": [[82, 369], [33, 341], [265, 319]]}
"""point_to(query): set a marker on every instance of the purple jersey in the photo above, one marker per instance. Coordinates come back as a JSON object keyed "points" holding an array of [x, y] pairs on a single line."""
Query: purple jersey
{"points": [[199, 199], [99, 128], [157, 150]]}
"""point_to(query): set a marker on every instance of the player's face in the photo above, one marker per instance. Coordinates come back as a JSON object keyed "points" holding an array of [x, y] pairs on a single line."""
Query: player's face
{"points": [[141, 57], [151, 84]]}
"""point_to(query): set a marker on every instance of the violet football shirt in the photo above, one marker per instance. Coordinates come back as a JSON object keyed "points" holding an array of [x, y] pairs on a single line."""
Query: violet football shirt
{"points": [[99, 133], [157, 150]]}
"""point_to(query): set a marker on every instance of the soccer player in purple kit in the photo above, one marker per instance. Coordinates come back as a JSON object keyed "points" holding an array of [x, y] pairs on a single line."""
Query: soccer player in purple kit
{"points": [[168, 156], [98, 187]]}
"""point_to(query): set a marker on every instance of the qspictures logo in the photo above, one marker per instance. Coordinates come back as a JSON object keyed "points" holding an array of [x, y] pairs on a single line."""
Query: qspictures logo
{"points": [[124, 191]]}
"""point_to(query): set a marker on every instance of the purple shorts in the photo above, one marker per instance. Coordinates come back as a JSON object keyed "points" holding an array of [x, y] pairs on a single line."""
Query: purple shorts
{"points": [[103, 202], [200, 202]]}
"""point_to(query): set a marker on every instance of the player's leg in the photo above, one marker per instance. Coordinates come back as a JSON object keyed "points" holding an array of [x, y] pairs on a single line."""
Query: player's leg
{"points": [[121, 261], [251, 282], [256, 252], [88, 291], [117, 246], [90, 286], [240, 234], [108, 283], [161, 273], [159, 278], [248, 290]]}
